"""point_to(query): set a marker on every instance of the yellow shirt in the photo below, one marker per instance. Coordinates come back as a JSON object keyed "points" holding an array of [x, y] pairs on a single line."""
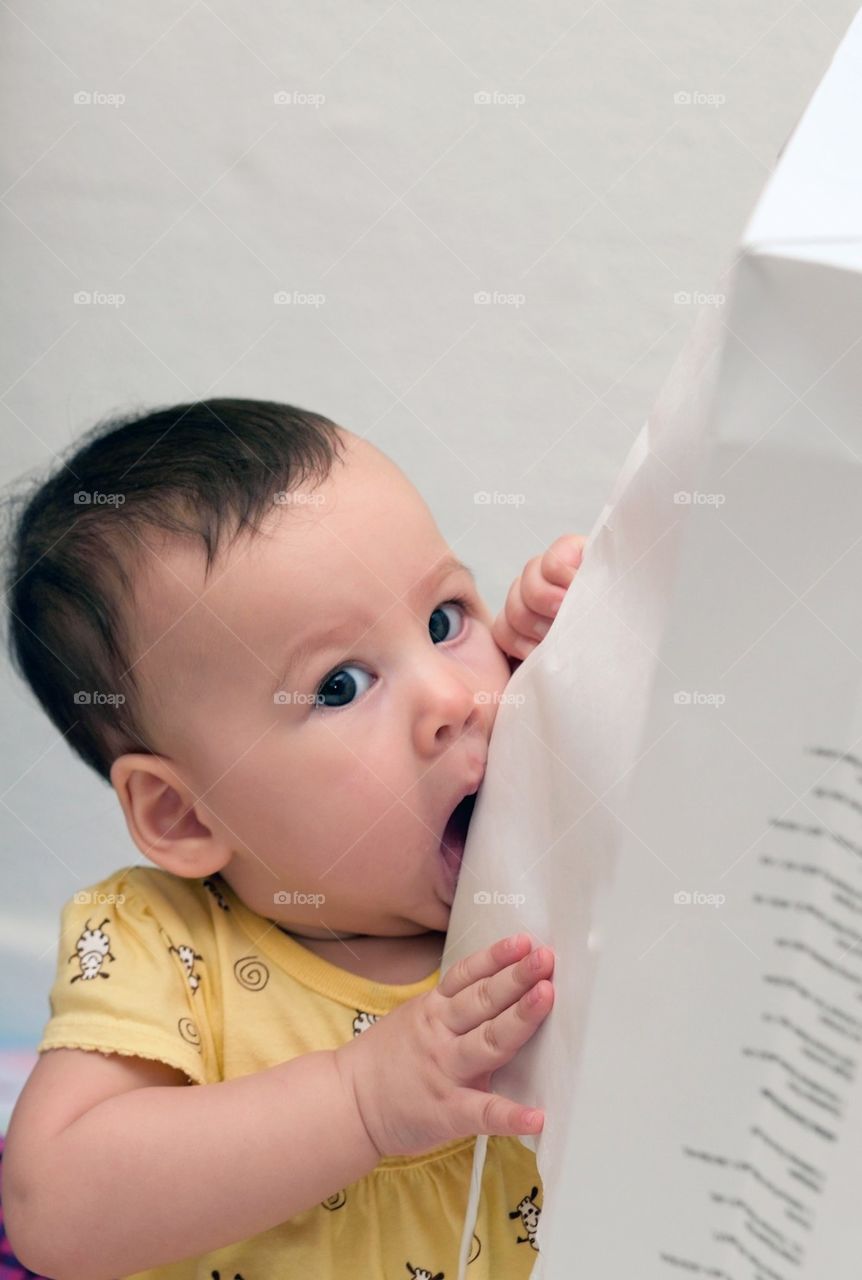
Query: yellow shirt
{"points": [[181, 971]]}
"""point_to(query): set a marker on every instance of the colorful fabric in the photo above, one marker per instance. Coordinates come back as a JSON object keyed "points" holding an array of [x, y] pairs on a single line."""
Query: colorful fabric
{"points": [[181, 971]]}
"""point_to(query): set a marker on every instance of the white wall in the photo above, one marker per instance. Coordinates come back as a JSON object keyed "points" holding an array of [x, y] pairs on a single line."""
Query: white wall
{"points": [[598, 198]]}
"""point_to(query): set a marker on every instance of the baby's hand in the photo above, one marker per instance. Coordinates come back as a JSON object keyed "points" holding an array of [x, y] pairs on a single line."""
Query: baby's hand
{"points": [[535, 597], [421, 1074]]}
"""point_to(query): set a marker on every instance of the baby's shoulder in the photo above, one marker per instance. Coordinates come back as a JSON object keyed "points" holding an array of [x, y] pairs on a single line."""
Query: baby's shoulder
{"points": [[149, 894]]}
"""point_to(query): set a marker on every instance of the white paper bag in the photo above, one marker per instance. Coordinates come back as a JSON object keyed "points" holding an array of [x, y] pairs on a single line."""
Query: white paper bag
{"points": [[673, 799]]}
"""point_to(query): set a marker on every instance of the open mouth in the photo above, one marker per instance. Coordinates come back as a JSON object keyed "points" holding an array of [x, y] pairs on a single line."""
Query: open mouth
{"points": [[455, 835]]}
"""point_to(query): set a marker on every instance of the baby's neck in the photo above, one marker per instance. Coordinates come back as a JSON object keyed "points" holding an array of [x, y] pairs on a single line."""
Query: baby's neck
{"points": [[395, 961]]}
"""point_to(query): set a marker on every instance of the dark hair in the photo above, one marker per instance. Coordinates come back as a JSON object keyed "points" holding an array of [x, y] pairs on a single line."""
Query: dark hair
{"points": [[206, 469]]}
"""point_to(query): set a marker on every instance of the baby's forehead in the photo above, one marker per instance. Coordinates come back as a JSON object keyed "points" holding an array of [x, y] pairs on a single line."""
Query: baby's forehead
{"points": [[181, 607], [188, 633], [365, 543], [168, 625]]}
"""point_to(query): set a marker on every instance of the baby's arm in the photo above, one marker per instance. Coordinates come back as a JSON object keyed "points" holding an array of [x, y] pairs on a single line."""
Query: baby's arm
{"points": [[112, 1166]]}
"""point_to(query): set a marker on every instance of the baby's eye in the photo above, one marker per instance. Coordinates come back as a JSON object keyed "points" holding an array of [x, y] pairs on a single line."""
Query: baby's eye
{"points": [[340, 688], [437, 627]]}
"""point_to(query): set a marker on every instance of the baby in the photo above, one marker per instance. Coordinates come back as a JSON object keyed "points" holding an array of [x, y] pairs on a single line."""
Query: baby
{"points": [[293, 717]]}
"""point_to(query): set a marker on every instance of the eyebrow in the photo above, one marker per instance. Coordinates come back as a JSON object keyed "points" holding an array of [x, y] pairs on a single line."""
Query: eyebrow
{"points": [[298, 653]]}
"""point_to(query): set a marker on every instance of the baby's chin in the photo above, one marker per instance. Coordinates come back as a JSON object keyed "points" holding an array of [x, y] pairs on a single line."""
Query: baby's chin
{"points": [[422, 902], [425, 909]]}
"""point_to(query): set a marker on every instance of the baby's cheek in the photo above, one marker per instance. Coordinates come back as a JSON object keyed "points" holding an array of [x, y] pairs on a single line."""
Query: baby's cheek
{"points": [[499, 666], [505, 665]]}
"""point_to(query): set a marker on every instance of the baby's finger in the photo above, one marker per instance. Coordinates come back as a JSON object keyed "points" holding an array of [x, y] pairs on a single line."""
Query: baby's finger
{"points": [[491, 1113], [497, 1040], [524, 622], [489, 996], [482, 963], [540, 595], [563, 558], [507, 639]]}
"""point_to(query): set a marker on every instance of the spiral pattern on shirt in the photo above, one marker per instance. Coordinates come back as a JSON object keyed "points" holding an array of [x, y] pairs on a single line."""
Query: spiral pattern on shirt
{"points": [[251, 973]]}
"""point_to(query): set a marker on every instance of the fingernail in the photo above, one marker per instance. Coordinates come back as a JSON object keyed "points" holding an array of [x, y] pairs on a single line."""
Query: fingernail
{"points": [[555, 607], [541, 628]]}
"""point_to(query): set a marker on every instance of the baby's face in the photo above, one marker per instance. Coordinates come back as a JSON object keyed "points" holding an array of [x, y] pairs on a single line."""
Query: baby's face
{"points": [[346, 797]]}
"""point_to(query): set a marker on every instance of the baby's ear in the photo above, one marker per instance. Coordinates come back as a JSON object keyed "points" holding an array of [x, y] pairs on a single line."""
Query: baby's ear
{"points": [[164, 819]]}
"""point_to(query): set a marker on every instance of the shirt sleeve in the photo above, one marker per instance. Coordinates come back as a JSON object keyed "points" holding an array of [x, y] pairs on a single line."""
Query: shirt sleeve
{"points": [[129, 977]]}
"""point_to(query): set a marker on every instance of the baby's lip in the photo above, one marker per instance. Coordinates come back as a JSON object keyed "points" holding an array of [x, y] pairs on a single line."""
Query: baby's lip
{"points": [[475, 780], [468, 788]]}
